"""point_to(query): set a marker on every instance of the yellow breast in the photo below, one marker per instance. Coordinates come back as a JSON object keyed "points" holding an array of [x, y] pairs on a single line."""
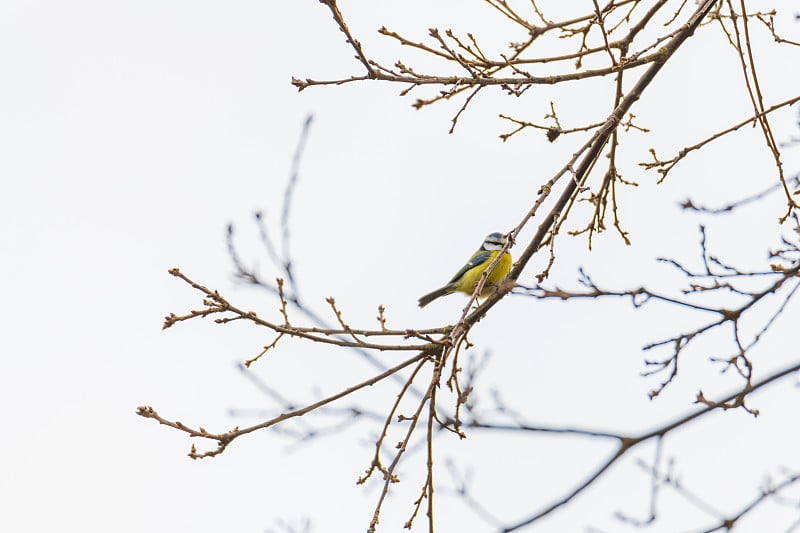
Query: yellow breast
{"points": [[467, 282]]}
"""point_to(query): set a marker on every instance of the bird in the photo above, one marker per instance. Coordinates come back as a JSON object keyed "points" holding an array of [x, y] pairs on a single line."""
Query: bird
{"points": [[466, 279]]}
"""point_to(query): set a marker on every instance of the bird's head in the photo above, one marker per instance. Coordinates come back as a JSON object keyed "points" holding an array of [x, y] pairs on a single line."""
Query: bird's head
{"points": [[494, 241]]}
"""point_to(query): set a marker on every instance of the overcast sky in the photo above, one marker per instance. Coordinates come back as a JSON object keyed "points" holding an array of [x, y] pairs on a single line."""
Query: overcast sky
{"points": [[132, 133]]}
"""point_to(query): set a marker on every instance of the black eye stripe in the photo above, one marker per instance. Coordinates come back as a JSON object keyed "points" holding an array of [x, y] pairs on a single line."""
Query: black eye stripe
{"points": [[492, 245], [493, 241]]}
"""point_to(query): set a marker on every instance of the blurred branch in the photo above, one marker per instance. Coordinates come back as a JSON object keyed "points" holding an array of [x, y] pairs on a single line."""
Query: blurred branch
{"points": [[627, 443], [689, 205], [224, 439]]}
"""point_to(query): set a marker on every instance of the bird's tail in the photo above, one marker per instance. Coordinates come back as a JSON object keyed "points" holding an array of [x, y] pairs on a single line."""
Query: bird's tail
{"points": [[431, 296]]}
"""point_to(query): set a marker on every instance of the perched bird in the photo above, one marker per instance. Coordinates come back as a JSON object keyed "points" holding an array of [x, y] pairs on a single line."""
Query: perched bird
{"points": [[469, 275]]}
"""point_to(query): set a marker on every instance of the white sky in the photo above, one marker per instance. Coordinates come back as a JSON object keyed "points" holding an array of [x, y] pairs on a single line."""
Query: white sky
{"points": [[131, 133]]}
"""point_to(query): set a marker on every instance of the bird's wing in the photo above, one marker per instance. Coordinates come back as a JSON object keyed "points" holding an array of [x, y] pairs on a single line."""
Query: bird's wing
{"points": [[477, 258]]}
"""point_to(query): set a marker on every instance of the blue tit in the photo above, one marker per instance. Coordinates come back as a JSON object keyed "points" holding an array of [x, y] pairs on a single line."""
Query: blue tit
{"points": [[466, 279]]}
